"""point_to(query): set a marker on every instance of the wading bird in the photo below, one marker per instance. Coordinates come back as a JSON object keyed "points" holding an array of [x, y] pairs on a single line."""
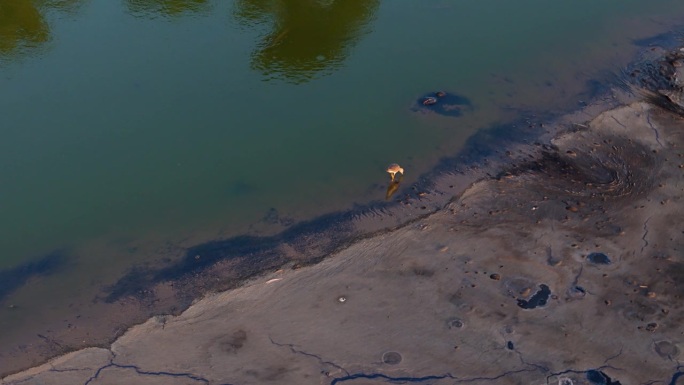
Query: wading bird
{"points": [[393, 169]]}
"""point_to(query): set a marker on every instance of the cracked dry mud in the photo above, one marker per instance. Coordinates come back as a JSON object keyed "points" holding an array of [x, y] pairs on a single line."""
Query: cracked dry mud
{"points": [[438, 301]]}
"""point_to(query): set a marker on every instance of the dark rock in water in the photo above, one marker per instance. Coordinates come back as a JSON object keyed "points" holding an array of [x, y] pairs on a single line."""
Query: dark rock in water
{"points": [[429, 101], [443, 103], [538, 299], [598, 258]]}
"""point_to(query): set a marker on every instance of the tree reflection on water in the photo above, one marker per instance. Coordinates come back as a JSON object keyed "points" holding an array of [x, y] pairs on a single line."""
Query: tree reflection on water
{"points": [[309, 38], [23, 28], [153, 8]]}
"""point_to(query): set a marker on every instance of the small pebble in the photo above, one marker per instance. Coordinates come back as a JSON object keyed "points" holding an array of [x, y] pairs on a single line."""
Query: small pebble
{"points": [[495, 276]]}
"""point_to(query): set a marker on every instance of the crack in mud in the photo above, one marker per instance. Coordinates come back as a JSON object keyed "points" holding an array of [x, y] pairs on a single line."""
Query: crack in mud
{"points": [[643, 238], [372, 376], [111, 364], [679, 373], [541, 368], [618, 122], [616, 355], [389, 378], [655, 130], [319, 358], [576, 371]]}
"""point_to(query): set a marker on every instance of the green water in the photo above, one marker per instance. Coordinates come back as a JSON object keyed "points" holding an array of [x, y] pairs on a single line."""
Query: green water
{"points": [[128, 125]]}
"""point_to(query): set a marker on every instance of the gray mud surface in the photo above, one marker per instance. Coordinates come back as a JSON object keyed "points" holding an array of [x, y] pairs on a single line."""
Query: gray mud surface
{"points": [[560, 262]]}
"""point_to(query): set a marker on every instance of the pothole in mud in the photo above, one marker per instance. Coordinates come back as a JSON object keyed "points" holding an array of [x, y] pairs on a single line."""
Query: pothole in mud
{"points": [[391, 358], [598, 258]]}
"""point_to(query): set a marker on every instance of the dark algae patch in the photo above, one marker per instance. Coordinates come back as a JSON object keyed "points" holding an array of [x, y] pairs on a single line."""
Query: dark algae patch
{"points": [[250, 255], [537, 300], [14, 278]]}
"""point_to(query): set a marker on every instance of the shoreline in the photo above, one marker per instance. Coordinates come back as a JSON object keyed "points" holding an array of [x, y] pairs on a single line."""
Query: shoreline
{"points": [[227, 264]]}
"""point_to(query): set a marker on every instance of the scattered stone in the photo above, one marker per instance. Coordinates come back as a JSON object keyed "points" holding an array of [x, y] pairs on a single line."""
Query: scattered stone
{"points": [[495, 277]]}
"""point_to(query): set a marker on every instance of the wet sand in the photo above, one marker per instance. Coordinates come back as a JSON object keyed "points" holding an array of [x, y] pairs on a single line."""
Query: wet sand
{"points": [[554, 261]]}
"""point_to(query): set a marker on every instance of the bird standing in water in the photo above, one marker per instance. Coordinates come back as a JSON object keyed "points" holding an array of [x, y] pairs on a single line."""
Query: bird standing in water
{"points": [[393, 169]]}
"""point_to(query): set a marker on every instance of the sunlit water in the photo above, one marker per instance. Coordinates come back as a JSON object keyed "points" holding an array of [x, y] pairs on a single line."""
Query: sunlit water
{"points": [[130, 129]]}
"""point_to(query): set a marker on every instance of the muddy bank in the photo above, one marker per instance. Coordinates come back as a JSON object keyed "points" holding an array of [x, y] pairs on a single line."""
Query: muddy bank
{"points": [[603, 180], [567, 267]]}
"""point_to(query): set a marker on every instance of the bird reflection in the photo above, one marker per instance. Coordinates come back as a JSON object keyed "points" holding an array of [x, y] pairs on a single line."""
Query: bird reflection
{"points": [[393, 187], [153, 8], [309, 38]]}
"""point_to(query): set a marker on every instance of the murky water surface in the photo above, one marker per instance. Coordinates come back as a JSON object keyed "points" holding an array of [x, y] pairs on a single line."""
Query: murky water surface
{"points": [[133, 128]]}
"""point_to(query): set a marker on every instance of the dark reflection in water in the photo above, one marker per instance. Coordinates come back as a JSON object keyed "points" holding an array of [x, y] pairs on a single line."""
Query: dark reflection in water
{"points": [[169, 8], [23, 28], [309, 38]]}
